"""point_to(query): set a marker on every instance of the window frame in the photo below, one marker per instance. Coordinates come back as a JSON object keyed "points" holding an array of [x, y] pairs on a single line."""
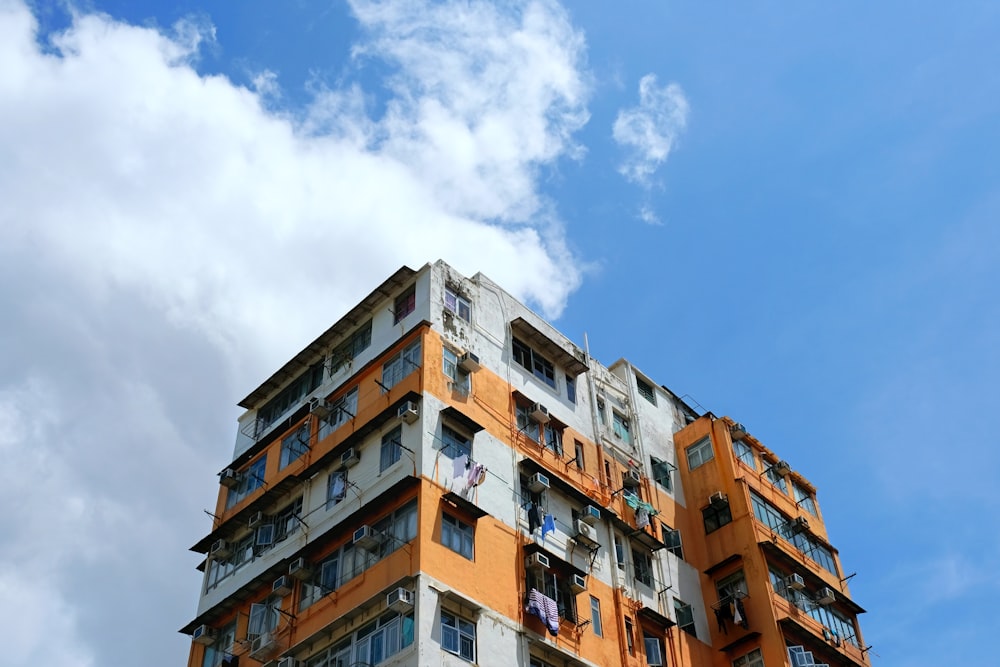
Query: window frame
{"points": [[645, 389], [596, 622], [460, 532], [526, 357], [391, 449], [456, 303], [295, 445], [459, 633], [662, 472], [695, 453], [685, 622], [404, 304]]}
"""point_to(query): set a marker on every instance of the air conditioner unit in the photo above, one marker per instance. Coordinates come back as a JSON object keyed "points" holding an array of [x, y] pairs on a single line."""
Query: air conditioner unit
{"points": [[781, 468], [795, 581], [349, 458], [289, 662], [578, 583], [799, 524], [585, 533], [256, 519], [319, 407], [537, 561], [229, 478], [367, 538], [738, 432], [538, 482], [408, 412], [220, 549], [262, 647], [469, 362], [590, 514], [825, 596], [632, 478], [203, 634], [718, 499], [540, 413], [282, 586], [399, 600], [299, 569]]}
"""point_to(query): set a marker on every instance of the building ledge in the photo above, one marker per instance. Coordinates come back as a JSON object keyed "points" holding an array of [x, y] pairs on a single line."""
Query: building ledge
{"points": [[569, 361]]}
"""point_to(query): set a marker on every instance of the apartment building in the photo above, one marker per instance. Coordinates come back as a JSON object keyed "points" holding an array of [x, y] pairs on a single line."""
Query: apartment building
{"points": [[442, 478]]}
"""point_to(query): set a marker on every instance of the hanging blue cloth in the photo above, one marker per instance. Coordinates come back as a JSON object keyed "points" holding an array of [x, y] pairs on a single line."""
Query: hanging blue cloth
{"points": [[548, 525]]}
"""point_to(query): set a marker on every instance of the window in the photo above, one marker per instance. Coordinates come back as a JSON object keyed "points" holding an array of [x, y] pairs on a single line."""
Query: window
{"points": [[654, 650], [251, 480], [263, 617], [287, 520], [555, 584], [744, 452], [646, 390], [453, 443], [595, 616], [776, 479], [294, 445], [643, 567], [700, 453], [571, 388], [661, 473], [731, 587], [290, 396], [601, 414], [804, 499], [672, 538], [347, 351], [619, 553], [685, 617], [457, 304], [401, 365], [391, 448], [223, 646], [751, 659], [342, 410], [835, 624], [458, 636], [578, 459], [383, 638], [405, 304], [336, 487], [457, 535], [460, 380], [629, 636], [771, 517], [716, 517], [539, 366], [621, 427], [527, 425], [553, 439]]}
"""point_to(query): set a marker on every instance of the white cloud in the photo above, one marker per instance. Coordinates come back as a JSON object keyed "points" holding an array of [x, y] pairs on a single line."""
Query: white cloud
{"points": [[649, 131], [166, 238], [648, 215]]}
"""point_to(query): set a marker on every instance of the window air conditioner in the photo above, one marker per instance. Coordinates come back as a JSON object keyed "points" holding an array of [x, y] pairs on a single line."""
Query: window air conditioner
{"points": [[262, 647], [632, 478], [220, 549], [537, 561], [282, 586], [825, 596], [299, 569], [590, 514], [349, 458], [578, 583], [540, 413], [408, 412], [799, 524], [738, 432], [289, 662], [795, 581], [367, 538], [319, 407], [469, 362], [585, 533], [203, 634], [781, 468], [718, 499], [538, 482], [229, 478], [399, 600], [256, 519]]}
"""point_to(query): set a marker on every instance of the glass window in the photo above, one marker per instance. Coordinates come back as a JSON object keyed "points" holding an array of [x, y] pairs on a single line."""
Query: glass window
{"points": [[346, 352], [578, 459], [654, 650], [336, 487], [672, 538], [595, 616], [685, 617], [391, 448], [553, 439], [700, 453], [776, 479], [716, 517], [621, 428], [661, 473], [405, 304], [221, 647], [342, 410], [751, 659], [251, 480], [401, 365], [457, 304], [453, 443], [290, 396], [744, 453], [571, 388], [629, 636], [731, 587], [457, 535], [804, 499], [295, 445], [771, 517], [527, 425], [458, 636], [643, 567], [539, 366], [646, 390], [601, 414]]}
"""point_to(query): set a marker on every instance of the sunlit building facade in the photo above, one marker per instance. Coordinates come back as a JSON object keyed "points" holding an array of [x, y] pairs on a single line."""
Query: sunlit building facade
{"points": [[442, 478]]}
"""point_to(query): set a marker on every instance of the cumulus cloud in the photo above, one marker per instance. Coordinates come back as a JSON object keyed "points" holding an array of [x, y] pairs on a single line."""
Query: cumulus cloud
{"points": [[649, 131], [168, 237]]}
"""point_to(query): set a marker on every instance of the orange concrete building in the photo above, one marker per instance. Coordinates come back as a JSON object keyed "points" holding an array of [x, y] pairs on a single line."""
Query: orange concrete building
{"points": [[442, 478]]}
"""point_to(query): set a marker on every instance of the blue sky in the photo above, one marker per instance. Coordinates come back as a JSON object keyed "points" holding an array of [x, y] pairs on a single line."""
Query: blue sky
{"points": [[786, 211]]}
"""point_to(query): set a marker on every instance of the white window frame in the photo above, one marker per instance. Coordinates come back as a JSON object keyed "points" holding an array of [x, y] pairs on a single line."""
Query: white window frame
{"points": [[453, 634], [700, 453]]}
